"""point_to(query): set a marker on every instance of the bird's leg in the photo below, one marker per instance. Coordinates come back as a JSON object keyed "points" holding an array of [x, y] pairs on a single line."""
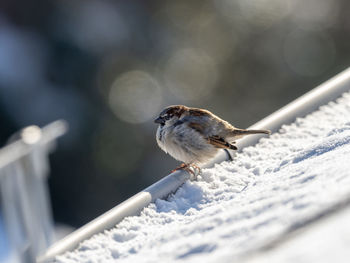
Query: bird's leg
{"points": [[195, 171], [182, 166], [186, 167]]}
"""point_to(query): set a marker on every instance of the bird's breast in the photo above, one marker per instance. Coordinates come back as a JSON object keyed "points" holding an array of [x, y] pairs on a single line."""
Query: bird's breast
{"points": [[184, 143]]}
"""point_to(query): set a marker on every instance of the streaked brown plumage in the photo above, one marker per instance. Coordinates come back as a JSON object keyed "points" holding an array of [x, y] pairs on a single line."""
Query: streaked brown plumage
{"points": [[194, 135]]}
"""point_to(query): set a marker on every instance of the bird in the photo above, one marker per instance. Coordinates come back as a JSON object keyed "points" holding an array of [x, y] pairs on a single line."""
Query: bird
{"points": [[194, 136]]}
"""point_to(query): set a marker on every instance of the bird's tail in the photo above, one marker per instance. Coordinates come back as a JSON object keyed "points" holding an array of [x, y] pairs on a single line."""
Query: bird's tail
{"points": [[238, 133]]}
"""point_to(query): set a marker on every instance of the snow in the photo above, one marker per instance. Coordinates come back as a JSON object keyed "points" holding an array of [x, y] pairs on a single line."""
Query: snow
{"points": [[236, 208], [334, 231]]}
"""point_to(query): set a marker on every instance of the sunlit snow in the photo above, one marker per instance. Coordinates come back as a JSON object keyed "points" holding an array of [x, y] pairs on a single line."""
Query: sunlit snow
{"points": [[237, 207]]}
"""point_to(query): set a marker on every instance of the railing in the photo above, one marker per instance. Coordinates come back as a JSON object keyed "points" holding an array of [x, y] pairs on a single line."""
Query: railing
{"points": [[25, 212], [307, 103]]}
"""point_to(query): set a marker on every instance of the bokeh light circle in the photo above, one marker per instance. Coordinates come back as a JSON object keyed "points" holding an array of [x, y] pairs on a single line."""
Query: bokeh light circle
{"points": [[135, 96], [309, 53], [190, 74], [263, 13], [315, 14]]}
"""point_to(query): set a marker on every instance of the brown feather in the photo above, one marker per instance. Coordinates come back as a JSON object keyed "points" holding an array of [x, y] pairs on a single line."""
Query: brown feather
{"points": [[247, 132], [198, 112], [220, 143], [196, 126], [176, 110]]}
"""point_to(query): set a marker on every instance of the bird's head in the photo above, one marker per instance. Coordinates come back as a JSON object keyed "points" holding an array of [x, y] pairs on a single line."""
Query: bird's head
{"points": [[171, 115]]}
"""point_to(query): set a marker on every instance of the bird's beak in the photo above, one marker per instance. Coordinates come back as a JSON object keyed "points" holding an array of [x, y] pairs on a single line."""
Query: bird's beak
{"points": [[159, 120]]}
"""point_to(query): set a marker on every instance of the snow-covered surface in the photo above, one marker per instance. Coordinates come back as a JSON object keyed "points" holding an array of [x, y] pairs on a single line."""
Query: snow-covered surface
{"points": [[328, 241], [237, 207]]}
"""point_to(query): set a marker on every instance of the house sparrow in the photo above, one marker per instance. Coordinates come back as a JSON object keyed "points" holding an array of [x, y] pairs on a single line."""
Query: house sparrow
{"points": [[194, 136]]}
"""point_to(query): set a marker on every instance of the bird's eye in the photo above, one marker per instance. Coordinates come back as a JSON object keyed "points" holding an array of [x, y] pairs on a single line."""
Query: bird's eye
{"points": [[167, 117]]}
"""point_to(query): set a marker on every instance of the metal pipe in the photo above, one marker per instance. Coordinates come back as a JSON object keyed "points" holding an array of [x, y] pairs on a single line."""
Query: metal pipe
{"points": [[24, 198], [300, 107], [18, 149]]}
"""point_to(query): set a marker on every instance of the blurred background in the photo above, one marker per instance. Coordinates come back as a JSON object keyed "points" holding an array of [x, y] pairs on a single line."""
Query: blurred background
{"points": [[109, 67]]}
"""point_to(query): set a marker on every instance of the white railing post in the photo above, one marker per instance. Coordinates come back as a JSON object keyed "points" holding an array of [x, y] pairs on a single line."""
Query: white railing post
{"points": [[25, 205]]}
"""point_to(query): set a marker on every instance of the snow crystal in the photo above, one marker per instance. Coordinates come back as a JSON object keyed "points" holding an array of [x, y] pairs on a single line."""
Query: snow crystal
{"points": [[236, 207]]}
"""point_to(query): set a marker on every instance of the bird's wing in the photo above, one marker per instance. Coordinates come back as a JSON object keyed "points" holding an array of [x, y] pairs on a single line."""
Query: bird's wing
{"points": [[196, 126], [220, 142], [198, 123], [215, 140]]}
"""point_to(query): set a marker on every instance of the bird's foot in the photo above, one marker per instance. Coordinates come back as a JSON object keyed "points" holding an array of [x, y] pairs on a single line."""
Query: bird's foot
{"points": [[183, 166], [191, 168]]}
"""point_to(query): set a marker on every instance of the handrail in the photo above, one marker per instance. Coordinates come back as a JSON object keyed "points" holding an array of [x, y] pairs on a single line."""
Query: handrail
{"points": [[24, 200], [300, 107], [17, 149]]}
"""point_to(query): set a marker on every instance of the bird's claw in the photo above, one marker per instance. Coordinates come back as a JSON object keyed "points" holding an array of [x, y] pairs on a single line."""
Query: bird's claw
{"points": [[192, 169]]}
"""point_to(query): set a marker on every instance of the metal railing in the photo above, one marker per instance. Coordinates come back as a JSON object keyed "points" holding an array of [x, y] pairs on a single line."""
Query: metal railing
{"points": [[25, 210], [307, 103]]}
